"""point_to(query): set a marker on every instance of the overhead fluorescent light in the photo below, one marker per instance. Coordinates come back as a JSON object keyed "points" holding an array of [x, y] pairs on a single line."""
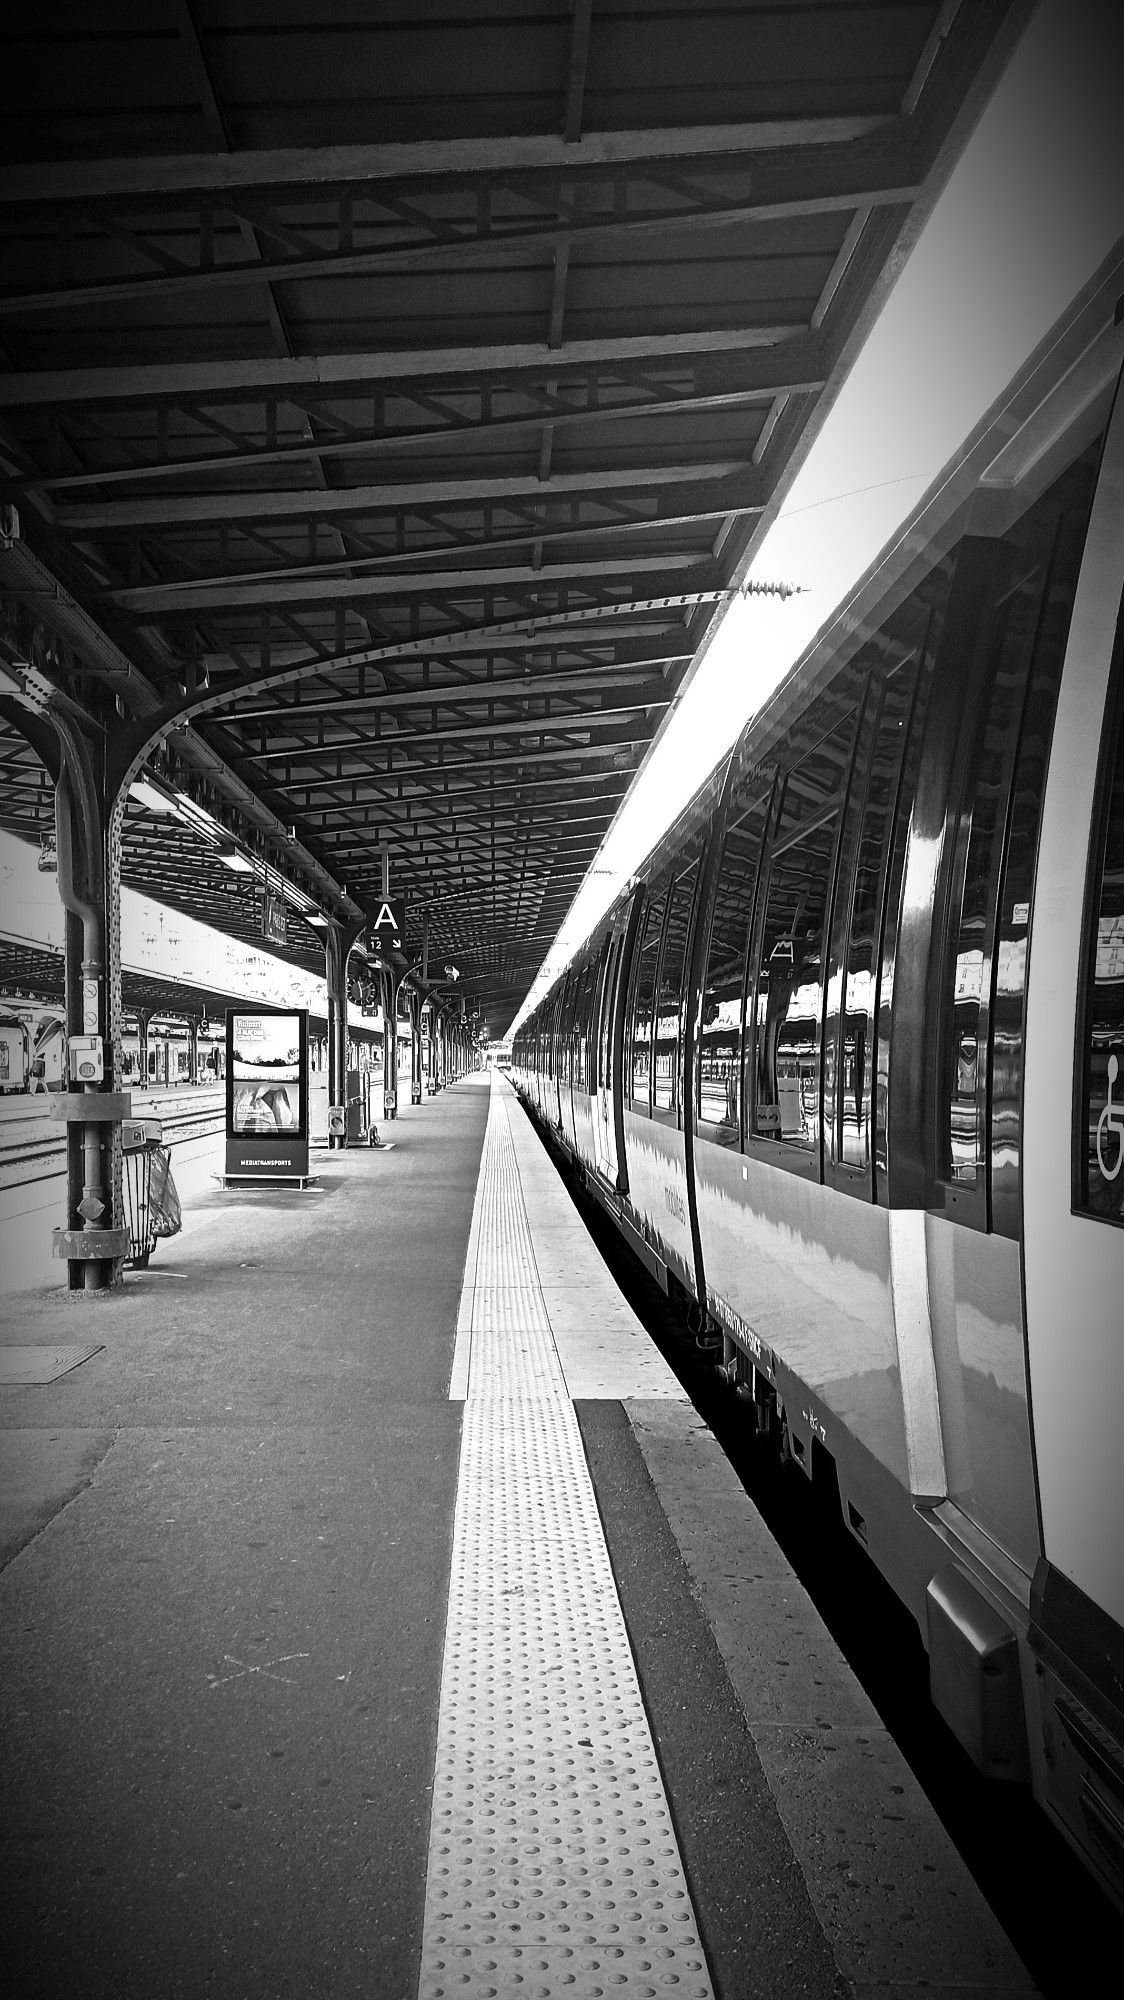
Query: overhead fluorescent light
{"points": [[199, 818], [147, 795], [317, 921], [241, 863]]}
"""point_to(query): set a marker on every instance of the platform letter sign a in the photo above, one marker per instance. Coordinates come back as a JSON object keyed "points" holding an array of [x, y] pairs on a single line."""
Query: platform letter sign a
{"points": [[389, 921]]}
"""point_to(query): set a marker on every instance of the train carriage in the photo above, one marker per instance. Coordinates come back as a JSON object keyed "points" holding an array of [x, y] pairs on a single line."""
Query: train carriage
{"points": [[846, 1064]]}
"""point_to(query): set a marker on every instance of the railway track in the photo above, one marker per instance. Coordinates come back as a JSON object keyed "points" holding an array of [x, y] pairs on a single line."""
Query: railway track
{"points": [[33, 1147]]}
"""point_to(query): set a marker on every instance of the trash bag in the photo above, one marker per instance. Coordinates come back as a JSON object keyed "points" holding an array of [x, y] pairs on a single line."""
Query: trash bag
{"points": [[164, 1202]]}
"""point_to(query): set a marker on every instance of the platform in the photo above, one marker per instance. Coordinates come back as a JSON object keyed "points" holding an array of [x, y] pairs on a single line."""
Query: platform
{"points": [[378, 1618]]}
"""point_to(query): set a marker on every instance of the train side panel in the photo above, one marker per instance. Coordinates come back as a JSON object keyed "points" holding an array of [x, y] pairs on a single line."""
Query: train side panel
{"points": [[809, 1273], [657, 1192]]}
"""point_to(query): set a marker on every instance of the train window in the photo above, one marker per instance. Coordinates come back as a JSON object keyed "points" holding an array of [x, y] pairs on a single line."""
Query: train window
{"points": [[581, 1029], [980, 1037], [669, 1001], [605, 1032], [718, 1091], [783, 1039], [1101, 1157], [1074, 494], [566, 1028], [850, 1048], [578, 977], [556, 1047], [643, 1000]]}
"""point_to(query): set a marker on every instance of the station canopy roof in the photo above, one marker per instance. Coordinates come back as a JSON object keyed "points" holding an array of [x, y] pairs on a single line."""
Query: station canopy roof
{"points": [[391, 399]]}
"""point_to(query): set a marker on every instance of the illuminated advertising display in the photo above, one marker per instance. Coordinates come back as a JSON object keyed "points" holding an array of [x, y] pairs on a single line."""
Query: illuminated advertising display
{"points": [[267, 1092]]}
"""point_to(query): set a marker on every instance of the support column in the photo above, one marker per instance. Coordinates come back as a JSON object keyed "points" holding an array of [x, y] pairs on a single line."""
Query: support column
{"points": [[418, 1008], [415, 1047], [390, 984], [95, 1241], [338, 940], [142, 1047], [193, 1049]]}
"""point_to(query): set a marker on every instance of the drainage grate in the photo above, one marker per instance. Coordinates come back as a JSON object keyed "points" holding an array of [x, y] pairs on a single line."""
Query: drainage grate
{"points": [[553, 1863]]}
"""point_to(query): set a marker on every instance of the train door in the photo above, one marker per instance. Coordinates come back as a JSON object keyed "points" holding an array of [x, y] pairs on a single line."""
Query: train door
{"points": [[13, 1056], [1073, 1175], [604, 1124]]}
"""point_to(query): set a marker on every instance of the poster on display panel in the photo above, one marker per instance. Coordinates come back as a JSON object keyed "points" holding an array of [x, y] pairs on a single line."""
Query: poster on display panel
{"points": [[267, 1092]]}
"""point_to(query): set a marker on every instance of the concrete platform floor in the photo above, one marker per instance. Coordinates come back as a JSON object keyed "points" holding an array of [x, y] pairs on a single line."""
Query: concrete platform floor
{"points": [[226, 1540]]}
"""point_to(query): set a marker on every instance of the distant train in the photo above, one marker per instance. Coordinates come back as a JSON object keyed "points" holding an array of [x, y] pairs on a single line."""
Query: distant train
{"points": [[846, 1065], [33, 1050], [169, 1056], [32, 1047]]}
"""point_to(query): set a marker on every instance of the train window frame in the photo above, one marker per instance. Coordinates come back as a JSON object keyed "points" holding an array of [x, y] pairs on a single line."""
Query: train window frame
{"points": [[602, 1020], [1110, 773], [566, 1027], [804, 1159], [656, 898], [576, 1027], [866, 1179], [589, 969], [1033, 551], [836, 1170], [754, 794], [682, 896]]}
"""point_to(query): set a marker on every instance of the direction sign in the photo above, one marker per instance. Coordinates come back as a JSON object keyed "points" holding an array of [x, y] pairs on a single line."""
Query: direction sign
{"points": [[388, 923]]}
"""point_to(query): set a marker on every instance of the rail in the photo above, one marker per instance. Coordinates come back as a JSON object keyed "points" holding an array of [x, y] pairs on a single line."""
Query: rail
{"points": [[33, 1149]]}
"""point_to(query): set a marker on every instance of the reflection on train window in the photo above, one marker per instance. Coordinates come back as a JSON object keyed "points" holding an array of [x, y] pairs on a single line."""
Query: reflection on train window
{"points": [[789, 987], [608, 992], [979, 848], [1024, 624], [643, 999], [1102, 1181], [581, 1029], [566, 1030], [855, 1100], [1067, 504], [665, 1071], [720, 1020]]}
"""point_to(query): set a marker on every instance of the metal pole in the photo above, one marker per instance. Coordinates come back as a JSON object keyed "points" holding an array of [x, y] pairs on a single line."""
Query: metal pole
{"points": [[338, 940], [90, 1247], [390, 1038], [415, 1047]]}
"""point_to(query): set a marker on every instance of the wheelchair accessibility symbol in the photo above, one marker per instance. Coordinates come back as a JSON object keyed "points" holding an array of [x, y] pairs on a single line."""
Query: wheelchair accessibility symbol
{"points": [[1110, 1130]]}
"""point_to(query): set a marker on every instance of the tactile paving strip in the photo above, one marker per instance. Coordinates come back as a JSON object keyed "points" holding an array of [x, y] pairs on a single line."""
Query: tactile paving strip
{"points": [[553, 1863]]}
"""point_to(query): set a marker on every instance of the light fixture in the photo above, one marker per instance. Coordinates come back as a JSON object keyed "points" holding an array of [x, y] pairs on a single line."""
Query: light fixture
{"points": [[241, 863], [200, 819], [146, 794]]}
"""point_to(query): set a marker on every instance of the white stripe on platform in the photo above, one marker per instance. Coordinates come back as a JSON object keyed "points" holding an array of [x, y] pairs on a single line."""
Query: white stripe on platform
{"points": [[553, 1863]]}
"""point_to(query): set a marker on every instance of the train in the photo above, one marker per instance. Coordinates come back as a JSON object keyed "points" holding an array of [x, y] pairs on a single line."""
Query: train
{"points": [[33, 1050], [844, 1062], [32, 1047]]}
